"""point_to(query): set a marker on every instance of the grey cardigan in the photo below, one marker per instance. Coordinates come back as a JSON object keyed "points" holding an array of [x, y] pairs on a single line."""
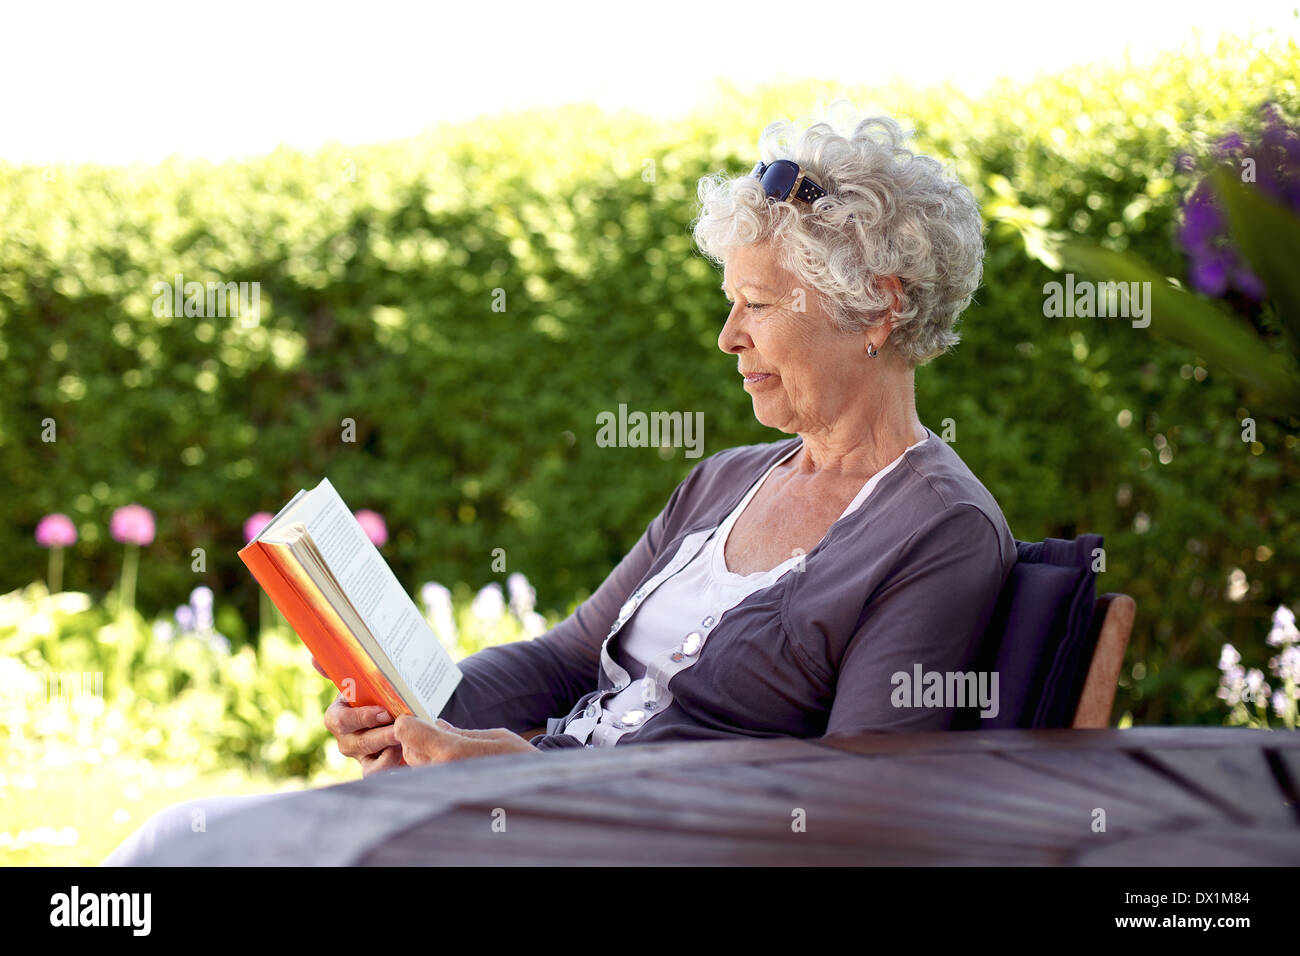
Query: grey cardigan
{"points": [[909, 579]]}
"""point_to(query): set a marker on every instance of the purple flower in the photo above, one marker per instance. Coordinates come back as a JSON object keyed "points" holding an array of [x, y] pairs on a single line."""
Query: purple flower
{"points": [[254, 525], [132, 524], [56, 531], [1215, 266], [185, 618], [1229, 143], [374, 527], [1249, 283], [1210, 272], [1201, 220]]}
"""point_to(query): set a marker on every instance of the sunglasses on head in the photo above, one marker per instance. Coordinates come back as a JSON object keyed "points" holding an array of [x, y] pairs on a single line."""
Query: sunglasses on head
{"points": [[784, 181]]}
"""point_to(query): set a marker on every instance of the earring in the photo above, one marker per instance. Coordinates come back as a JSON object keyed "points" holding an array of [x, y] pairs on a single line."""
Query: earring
{"points": [[871, 350]]}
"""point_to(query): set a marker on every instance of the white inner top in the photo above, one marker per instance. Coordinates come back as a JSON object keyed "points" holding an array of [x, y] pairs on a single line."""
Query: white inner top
{"points": [[693, 601]]}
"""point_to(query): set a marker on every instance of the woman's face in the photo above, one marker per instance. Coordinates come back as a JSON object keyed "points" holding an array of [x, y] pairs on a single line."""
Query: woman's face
{"points": [[805, 372]]}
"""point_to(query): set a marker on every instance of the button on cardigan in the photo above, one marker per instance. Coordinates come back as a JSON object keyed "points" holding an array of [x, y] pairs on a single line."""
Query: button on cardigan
{"points": [[904, 585]]}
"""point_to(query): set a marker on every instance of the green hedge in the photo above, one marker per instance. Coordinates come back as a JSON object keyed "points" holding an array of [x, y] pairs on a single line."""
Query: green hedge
{"points": [[476, 428]]}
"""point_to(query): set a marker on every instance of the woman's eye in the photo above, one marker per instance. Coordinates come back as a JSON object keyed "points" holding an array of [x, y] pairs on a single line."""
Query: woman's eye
{"points": [[755, 305]]}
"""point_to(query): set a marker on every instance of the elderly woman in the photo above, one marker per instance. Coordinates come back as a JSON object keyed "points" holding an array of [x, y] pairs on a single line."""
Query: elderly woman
{"points": [[784, 587]]}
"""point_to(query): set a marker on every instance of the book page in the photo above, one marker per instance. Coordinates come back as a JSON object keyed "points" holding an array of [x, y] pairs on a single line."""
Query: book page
{"points": [[379, 598]]}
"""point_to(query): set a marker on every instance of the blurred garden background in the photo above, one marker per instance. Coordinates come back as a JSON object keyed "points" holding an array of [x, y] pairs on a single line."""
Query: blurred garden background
{"points": [[475, 429]]}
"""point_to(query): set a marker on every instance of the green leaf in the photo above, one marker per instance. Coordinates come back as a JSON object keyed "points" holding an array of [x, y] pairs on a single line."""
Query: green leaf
{"points": [[1176, 314], [1268, 236]]}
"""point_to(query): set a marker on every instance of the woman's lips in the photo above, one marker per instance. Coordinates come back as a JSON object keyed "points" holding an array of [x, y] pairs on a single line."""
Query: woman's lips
{"points": [[757, 377]]}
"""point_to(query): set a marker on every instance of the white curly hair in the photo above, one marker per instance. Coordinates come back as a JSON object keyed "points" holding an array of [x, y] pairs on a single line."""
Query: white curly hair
{"points": [[887, 212]]}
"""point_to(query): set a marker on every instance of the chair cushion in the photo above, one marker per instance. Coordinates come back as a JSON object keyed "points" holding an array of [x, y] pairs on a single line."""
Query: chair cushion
{"points": [[1040, 639]]}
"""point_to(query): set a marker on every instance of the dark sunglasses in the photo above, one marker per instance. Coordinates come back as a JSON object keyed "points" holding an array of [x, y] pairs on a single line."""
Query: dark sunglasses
{"points": [[784, 181]]}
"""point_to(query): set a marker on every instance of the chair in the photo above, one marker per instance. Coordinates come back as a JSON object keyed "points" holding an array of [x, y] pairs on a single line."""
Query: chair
{"points": [[1112, 619], [1056, 647]]}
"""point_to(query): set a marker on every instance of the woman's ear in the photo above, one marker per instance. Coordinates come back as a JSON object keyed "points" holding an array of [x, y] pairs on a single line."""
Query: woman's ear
{"points": [[891, 284]]}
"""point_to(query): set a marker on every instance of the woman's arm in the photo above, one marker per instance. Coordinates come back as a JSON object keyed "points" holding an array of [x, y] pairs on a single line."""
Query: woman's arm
{"points": [[932, 613], [519, 685]]}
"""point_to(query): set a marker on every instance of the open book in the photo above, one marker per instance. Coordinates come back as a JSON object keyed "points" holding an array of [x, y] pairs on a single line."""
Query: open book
{"points": [[334, 588]]}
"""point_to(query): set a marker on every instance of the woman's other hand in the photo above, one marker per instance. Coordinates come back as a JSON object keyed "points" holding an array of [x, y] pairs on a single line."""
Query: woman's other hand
{"points": [[440, 742], [366, 734]]}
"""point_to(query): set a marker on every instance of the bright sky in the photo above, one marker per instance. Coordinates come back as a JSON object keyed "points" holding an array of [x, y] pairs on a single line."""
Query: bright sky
{"points": [[116, 82]]}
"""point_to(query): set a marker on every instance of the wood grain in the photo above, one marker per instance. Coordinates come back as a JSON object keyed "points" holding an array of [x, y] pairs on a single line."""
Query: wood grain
{"points": [[1170, 796]]}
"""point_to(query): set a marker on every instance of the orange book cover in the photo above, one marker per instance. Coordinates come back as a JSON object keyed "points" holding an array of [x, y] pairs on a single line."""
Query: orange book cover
{"points": [[319, 626]]}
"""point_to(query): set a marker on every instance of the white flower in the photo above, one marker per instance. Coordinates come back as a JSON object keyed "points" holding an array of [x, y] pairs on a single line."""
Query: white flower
{"points": [[523, 597], [163, 631], [201, 601], [534, 624], [439, 613], [1228, 657], [1287, 664], [1255, 685], [1284, 631], [1230, 693], [489, 605], [1280, 703]]}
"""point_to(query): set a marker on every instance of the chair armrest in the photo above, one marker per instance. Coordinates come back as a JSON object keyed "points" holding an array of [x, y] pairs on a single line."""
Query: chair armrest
{"points": [[1098, 696]]}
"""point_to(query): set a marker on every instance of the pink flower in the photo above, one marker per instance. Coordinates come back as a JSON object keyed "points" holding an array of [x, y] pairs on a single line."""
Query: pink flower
{"points": [[254, 525], [374, 526], [56, 531], [132, 524]]}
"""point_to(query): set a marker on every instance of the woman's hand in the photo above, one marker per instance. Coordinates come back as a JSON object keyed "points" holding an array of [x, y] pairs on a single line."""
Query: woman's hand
{"points": [[440, 742], [366, 734]]}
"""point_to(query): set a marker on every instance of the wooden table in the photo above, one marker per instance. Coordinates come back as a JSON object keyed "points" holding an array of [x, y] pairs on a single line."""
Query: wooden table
{"points": [[1170, 796]]}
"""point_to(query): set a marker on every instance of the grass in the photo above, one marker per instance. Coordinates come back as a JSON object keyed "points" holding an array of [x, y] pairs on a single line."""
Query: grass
{"points": [[72, 806]]}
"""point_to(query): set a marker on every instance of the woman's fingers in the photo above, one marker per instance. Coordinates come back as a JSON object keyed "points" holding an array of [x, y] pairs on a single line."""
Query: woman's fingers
{"points": [[366, 743], [342, 718], [440, 742], [494, 734], [387, 759]]}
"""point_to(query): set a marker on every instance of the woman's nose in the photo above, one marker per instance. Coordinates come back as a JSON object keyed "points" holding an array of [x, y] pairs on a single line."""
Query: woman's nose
{"points": [[732, 339]]}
